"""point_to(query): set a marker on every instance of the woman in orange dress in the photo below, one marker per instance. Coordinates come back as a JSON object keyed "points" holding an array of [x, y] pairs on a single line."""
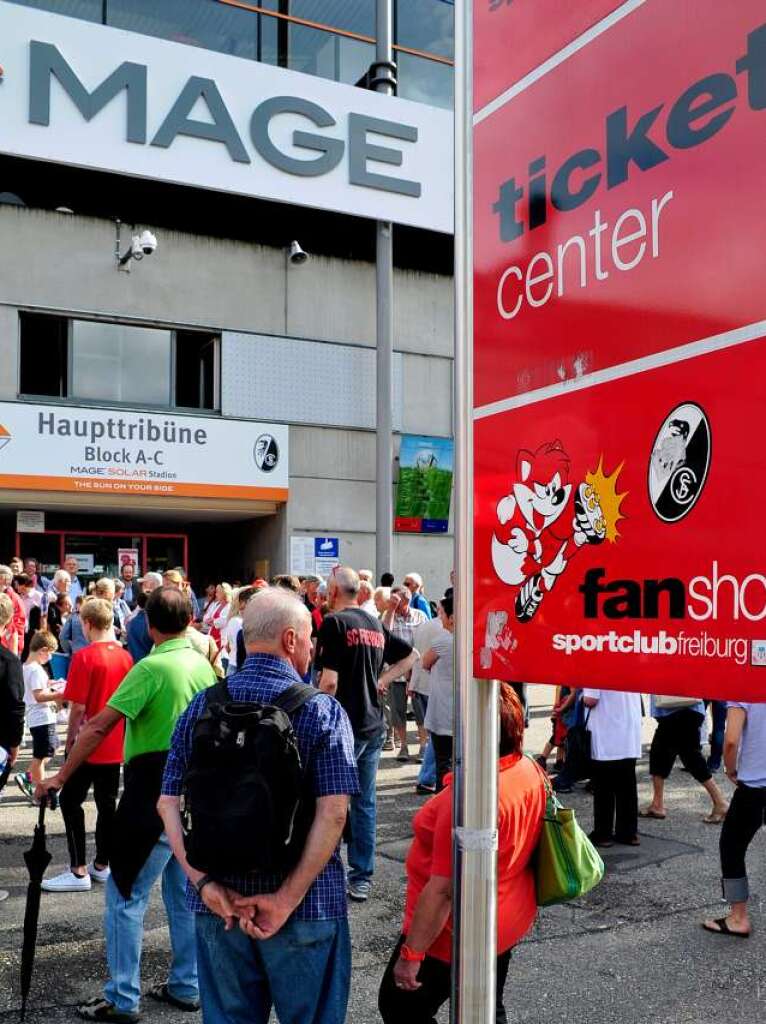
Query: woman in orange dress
{"points": [[417, 980]]}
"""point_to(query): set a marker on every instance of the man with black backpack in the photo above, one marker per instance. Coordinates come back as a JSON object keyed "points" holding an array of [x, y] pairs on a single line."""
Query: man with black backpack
{"points": [[265, 767]]}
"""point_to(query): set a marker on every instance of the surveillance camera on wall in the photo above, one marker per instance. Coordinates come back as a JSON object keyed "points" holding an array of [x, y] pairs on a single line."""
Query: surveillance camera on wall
{"points": [[148, 243], [140, 245], [296, 254]]}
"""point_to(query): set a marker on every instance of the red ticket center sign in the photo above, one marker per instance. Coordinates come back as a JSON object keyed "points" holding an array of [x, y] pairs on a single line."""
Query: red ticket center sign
{"points": [[620, 345]]}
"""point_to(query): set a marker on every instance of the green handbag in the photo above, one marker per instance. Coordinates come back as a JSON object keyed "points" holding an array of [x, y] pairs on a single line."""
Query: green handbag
{"points": [[566, 862]]}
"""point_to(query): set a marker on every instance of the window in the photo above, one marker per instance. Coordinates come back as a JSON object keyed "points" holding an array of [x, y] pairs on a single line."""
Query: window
{"points": [[426, 81], [86, 10], [117, 363], [43, 355], [427, 25], [348, 15], [206, 23], [93, 361], [196, 358]]}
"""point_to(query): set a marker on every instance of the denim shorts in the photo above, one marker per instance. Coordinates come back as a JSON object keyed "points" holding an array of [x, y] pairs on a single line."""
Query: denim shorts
{"points": [[45, 741]]}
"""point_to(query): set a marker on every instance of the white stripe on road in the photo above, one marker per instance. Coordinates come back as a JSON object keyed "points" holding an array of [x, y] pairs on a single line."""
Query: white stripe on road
{"points": [[651, 362], [558, 58]]}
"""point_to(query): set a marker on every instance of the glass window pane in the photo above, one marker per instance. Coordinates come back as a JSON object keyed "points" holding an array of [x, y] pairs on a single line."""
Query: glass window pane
{"points": [[426, 81], [119, 363], [43, 355], [351, 15], [207, 23], [426, 25], [354, 59], [312, 51], [86, 10]]}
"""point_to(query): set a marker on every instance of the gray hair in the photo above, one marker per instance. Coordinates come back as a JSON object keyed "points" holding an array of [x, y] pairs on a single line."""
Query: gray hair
{"points": [[416, 578], [62, 574], [6, 610], [270, 613], [5, 570], [366, 589], [365, 574], [347, 580]]}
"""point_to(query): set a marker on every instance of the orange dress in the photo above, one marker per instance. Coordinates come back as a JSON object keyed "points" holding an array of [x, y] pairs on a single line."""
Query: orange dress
{"points": [[521, 806]]}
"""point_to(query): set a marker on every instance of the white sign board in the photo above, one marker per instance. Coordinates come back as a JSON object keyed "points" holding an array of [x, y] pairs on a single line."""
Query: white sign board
{"points": [[30, 522], [96, 451], [302, 556], [93, 96]]}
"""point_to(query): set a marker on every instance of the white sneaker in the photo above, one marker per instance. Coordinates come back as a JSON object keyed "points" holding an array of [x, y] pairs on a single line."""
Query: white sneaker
{"points": [[67, 881], [98, 874]]}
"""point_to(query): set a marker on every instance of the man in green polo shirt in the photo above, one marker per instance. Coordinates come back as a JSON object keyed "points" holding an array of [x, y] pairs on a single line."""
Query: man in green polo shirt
{"points": [[147, 703]]}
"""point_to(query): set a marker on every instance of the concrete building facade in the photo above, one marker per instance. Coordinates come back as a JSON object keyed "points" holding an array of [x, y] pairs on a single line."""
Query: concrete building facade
{"points": [[274, 342]]}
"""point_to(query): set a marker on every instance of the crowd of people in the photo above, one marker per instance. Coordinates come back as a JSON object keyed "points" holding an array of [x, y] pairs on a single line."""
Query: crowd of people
{"points": [[173, 689]]}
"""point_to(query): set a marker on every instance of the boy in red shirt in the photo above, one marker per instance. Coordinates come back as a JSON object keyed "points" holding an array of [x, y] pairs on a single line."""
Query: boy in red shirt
{"points": [[94, 674]]}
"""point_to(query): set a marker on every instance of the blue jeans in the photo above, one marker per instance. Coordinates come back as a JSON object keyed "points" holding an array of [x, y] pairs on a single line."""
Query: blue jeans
{"points": [[304, 971], [362, 809], [124, 927], [427, 776]]}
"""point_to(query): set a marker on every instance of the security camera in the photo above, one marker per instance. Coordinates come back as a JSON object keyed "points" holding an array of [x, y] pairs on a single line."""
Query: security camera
{"points": [[148, 243], [140, 245], [296, 254]]}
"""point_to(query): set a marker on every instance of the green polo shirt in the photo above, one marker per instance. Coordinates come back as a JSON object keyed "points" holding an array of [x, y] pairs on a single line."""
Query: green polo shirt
{"points": [[156, 691]]}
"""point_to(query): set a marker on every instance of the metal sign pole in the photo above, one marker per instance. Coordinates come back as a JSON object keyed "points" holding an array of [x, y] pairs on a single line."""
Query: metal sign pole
{"points": [[476, 700], [384, 80]]}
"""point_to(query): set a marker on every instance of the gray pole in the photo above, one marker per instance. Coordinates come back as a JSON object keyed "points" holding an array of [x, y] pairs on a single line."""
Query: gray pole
{"points": [[383, 79], [476, 709]]}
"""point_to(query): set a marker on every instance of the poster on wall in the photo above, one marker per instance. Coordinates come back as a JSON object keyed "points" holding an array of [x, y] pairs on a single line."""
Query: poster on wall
{"points": [[425, 484], [128, 556], [620, 353]]}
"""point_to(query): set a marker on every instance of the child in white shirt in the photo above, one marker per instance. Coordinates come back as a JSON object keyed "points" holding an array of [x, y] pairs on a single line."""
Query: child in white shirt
{"points": [[40, 699]]}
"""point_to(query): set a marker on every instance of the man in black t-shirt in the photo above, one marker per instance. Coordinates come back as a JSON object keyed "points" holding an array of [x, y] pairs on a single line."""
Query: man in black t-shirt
{"points": [[352, 648]]}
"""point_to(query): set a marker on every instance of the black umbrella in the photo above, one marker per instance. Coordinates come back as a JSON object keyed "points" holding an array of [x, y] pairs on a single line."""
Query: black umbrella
{"points": [[37, 859]]}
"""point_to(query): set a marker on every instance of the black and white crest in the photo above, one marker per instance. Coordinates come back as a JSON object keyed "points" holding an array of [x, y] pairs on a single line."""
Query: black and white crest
{"points": [[679, 462], [266, 453]]}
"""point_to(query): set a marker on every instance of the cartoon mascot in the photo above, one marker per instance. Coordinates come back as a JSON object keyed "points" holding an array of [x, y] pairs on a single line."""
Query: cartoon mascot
{"points": [[534, 538]]}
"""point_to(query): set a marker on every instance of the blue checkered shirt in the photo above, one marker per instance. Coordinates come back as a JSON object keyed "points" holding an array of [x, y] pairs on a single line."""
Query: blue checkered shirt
{"points": [[326, 745]]}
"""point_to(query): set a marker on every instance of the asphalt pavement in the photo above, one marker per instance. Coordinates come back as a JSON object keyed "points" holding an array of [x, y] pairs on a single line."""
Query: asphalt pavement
{"points": [[631, 952]]}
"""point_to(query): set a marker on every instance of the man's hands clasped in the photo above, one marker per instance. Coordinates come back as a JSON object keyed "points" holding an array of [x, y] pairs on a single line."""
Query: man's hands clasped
{"points": [[260, 917]]}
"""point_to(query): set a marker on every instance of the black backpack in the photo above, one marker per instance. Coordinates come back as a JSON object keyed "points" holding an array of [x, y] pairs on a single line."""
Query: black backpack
{"points": [[246, 803]]}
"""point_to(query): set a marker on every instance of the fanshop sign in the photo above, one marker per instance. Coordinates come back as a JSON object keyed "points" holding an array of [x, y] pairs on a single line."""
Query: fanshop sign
{"points": [[620, 342], [92, 96], [111, 451]]}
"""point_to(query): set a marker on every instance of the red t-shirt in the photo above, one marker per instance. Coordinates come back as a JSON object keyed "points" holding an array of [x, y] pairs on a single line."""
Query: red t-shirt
{"points": [[521, 806], [95, 672]]}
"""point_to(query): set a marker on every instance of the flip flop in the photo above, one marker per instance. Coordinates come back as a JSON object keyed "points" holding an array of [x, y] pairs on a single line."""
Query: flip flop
{"points": [[724, 929], [648, 812], [714, 819]]}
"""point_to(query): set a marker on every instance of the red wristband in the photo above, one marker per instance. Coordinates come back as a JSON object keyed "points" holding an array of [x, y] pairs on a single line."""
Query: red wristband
{"points": [[411, 955]]}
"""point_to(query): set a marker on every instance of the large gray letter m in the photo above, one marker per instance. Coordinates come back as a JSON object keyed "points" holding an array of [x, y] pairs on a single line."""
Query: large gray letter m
{"points": [[46, 62]]}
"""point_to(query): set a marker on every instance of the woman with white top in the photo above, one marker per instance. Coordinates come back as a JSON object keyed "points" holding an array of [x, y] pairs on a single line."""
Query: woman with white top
{"points": [[614, 724], [438, 661], [217, 612], [744, 759]]}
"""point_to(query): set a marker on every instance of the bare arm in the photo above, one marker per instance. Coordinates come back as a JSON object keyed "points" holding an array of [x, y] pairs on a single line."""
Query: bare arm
{"points": [[46, 696], [97, 729], [401, 668], [429, 659], [431, 913], [735, 723], [76, 715], [328, 681], [590, 702], [263, 916]]}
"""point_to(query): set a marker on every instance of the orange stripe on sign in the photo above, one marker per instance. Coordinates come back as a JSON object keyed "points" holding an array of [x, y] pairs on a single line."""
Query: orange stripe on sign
{"points": [[106, 485]]}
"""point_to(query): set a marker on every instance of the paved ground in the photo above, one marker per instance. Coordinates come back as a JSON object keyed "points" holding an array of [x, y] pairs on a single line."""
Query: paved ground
{"points": [[632, 952]]}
